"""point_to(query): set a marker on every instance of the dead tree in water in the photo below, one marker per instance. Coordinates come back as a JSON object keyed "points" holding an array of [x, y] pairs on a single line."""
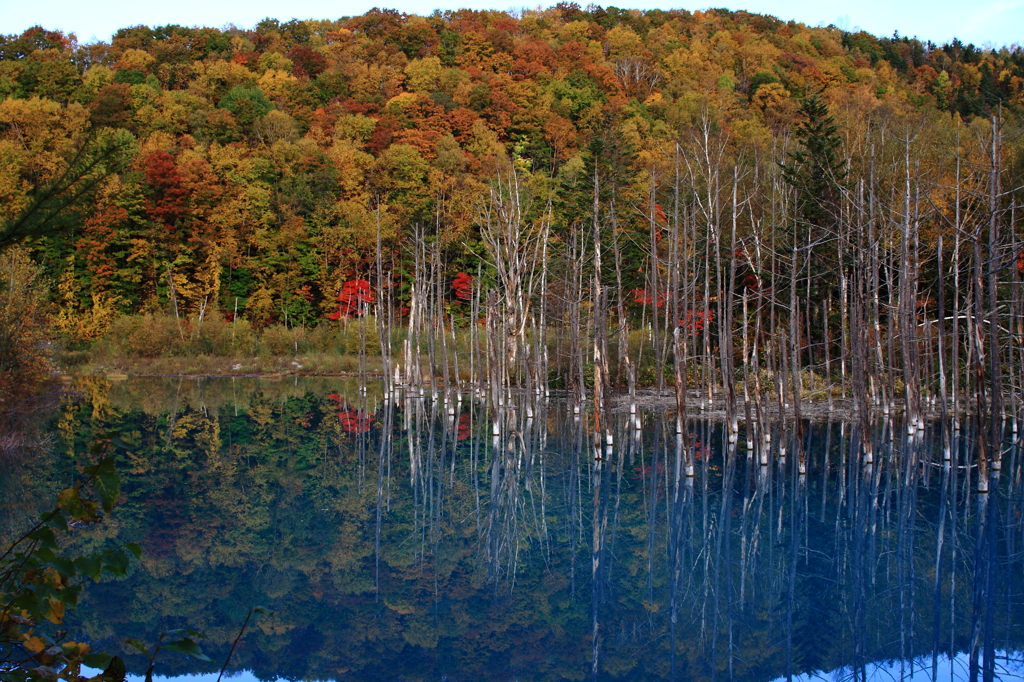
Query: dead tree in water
{"points": [[383, 311], [653, 281], [514, 247], [602, 385], [678, 346]]}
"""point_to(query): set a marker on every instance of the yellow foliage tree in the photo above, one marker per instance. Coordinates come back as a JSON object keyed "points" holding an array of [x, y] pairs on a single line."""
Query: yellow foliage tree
{"points": [[24, 351]]}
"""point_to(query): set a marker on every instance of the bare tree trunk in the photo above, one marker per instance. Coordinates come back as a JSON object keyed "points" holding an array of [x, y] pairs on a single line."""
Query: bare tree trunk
{"points": [[383, 329], [725, 324], [601, 377], [623, 323], [652, 279]]}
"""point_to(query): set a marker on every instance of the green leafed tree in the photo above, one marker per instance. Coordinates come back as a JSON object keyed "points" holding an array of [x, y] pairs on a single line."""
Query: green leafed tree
{"points": [[247, 104]]}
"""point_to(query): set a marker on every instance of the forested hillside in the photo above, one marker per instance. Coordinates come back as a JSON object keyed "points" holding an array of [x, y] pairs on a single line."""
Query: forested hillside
{"points": [[253, 173]]}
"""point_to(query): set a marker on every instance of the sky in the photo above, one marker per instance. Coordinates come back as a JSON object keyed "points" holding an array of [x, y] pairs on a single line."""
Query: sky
{"points": [[992, 23]]}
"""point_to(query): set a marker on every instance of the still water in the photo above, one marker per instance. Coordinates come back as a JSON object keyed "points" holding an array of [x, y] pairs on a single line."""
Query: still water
{"points": [[404, 540]]}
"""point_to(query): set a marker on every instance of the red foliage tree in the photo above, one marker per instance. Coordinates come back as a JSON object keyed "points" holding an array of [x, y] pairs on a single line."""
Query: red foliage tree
{"points": [[167, 201], [695, 320], [380, 139], [308, 62], [97, 241], [644, 297], [659, 215], [462, 285], [352, 300]]}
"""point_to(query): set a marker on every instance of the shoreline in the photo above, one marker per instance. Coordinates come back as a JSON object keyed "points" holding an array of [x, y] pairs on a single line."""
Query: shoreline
{"points": [[699, 406]]}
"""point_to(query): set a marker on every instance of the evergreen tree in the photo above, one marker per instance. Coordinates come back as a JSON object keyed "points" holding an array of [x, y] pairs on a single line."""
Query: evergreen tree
{"points": [[816, 170]]}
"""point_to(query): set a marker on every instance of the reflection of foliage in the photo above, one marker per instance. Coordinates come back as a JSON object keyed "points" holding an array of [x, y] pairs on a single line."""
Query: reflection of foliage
{"points": [[186, 645], [351, 419], [254, 493], [40, 584]]}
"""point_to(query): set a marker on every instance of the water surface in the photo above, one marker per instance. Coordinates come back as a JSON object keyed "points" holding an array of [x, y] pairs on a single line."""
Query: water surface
{"points": [[402, 539]]}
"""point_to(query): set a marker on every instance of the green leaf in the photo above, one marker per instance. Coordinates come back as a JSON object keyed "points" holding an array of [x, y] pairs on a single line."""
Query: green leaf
{"points": [[116, 563], [65, 565], [262, 609], [96, 447], [107, 483], [45, 537], [114, 672], [96, 659], [186, 631], [29, 603], [57, 522], [70, 595], [134, 549], [124, 445], [188, 647], [71, 501], [139, 646], [89, 566]]}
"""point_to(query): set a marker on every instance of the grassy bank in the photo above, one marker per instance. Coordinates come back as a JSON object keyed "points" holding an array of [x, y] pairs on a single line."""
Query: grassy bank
{"points": [[149, 345], [314, 364]]}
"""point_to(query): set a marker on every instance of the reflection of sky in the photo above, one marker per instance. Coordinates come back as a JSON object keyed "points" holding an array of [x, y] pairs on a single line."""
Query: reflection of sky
{"points": [[997, 21], [240, 676], [1011, 668], [1007, 669]]}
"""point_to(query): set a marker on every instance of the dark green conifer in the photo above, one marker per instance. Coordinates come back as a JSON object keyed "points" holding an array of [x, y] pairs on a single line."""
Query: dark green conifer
{"points": [[816, 170]]}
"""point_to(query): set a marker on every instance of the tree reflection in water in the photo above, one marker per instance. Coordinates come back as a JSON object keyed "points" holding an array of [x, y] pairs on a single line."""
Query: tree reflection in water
{"points": [[418, 539]]}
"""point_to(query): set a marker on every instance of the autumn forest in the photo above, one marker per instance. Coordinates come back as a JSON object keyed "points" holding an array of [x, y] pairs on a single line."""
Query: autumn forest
{"points": [[609, 197]]}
